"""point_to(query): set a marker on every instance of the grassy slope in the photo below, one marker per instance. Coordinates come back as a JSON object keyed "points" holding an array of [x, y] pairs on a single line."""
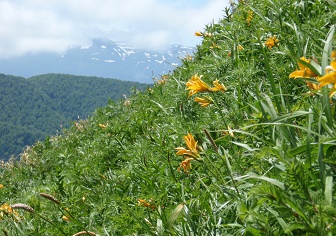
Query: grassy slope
{"points": [[117, 172]]}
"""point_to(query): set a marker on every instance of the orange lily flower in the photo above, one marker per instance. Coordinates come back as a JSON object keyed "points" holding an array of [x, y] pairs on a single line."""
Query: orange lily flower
{"points": [[189, 154], [303, 72], [204, 102], [191, 143], [218, 86], [312, 86], [330, 77], [198, 33], [271, 41], [185, 165], [196, 84]]}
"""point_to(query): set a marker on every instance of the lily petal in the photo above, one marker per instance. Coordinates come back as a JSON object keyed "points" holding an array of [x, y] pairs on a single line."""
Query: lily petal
{"points": [[296, 74], [218, 86], [191, 143], [328, 78]]}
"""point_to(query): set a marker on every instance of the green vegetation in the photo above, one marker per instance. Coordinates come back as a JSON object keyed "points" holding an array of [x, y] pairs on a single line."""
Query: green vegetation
{"points": [[34, 108], [246, 150]]}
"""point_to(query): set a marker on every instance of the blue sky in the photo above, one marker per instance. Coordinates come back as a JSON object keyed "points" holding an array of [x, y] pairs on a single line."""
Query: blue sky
{"points": [[57, 25]]}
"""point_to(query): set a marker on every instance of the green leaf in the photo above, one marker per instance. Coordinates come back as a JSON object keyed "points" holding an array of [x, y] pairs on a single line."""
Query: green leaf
{"points": [[246, 146], [174, 215], [267, 179], [328, 189], [281, 221]]}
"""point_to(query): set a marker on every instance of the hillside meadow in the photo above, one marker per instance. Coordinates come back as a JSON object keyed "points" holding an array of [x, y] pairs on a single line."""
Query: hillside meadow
{"points": [[238, 140]]}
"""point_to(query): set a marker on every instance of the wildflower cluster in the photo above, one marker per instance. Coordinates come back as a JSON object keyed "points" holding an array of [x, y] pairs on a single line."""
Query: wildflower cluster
{"points": [[209, 36], [200, 34], [103, 126], [145, 203], [191, 153], [188, 58], [239, 48], [5, 209], [330, 77], [162, 81], [66, 218], [214, 45], [196, 85], [271, 42], [8, 210], [305, 72], [229, 132], [205, 101]]}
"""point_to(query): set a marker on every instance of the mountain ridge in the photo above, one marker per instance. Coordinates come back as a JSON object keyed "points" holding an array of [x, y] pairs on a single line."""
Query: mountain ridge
{"points": [[103, 58], [41, 105]]}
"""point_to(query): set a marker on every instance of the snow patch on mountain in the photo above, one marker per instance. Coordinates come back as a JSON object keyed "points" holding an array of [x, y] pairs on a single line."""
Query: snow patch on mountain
{"points": [[102, 58]]}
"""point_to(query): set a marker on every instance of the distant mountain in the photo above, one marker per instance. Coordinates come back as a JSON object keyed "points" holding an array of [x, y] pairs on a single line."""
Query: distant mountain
{"points": [[34, 108], [103, 58]]}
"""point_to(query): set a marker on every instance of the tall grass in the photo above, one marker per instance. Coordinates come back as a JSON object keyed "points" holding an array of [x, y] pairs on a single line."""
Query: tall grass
{"points": [[227, 144]]}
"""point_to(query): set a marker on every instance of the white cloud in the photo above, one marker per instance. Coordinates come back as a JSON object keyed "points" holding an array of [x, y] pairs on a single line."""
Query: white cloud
{"points": [[56, 25]]}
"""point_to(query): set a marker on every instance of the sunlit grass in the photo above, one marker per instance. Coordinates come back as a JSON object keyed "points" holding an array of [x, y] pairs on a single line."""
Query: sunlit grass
{"points": [[238, 140]]}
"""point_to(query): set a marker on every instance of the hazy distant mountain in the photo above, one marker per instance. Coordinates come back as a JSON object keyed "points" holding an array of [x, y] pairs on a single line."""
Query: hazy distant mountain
{"points": [[104, 58]]}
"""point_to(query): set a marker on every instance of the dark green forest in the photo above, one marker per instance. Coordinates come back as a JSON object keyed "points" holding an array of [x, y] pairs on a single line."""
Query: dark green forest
{"points": [[40, 106]]}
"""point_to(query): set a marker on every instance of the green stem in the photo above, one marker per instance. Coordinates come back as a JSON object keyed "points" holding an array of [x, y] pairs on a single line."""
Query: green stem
{"points": [[224, 116], [214, 167], [228, 166], [270, 77]]}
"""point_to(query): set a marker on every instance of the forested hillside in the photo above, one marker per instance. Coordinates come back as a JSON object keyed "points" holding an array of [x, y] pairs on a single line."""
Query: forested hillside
{"points": [[39, 106], [238, 140]]}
